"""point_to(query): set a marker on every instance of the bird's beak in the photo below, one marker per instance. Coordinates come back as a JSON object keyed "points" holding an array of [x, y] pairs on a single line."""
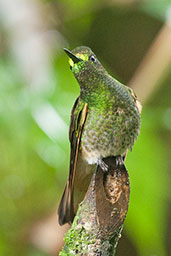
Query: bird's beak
{"points": [[72, 56]]}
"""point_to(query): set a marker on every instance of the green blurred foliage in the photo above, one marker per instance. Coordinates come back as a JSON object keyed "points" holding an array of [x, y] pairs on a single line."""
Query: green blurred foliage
{"points": [[156, 8], [35, 158]]}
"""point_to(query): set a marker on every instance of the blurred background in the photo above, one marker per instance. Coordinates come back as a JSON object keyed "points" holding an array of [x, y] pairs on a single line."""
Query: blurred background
{"points": [[132, 38]]}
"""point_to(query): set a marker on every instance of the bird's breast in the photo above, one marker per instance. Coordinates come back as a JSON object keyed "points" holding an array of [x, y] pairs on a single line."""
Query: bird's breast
{"points": [[107, 133]]}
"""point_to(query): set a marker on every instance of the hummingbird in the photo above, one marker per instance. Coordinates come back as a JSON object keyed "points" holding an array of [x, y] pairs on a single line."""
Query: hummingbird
{"points": [[105, 121]]}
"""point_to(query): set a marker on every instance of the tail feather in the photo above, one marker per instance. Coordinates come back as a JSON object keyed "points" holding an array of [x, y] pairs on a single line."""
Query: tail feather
{"points": [[66, 208]]}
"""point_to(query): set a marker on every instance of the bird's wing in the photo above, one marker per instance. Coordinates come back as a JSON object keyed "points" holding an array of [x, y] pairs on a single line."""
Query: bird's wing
{"points": [[78, 118]]}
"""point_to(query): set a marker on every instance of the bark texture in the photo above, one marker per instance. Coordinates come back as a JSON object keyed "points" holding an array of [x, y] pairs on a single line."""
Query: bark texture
{"points": [[98, 224]]}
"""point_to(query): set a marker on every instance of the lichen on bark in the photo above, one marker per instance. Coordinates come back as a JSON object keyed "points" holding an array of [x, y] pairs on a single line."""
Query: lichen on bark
{"points": [[98, 223]]}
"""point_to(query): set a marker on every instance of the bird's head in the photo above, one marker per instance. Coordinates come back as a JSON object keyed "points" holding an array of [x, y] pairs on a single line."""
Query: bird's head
{"points": [[84, 63]]}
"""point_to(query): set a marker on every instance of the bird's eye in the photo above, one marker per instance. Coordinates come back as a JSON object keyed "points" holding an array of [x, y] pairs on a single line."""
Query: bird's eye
{"points": [[92, 58]]}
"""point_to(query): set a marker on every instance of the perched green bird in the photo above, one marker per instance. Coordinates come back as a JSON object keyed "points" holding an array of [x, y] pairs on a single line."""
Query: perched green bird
{"points": [[105, 121]]}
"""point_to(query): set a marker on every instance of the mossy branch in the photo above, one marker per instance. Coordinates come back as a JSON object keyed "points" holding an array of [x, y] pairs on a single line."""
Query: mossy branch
{"points": [[98, 224]]}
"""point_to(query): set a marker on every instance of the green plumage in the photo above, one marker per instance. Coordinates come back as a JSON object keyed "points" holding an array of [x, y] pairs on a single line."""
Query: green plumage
{"points": [[105, 120], [113, 118]]}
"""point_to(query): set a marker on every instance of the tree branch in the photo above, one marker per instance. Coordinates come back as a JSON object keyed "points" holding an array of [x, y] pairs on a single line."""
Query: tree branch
{"points": [[98, 224]]}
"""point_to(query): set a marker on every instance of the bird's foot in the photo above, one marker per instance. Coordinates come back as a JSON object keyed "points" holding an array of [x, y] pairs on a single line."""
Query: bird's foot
{"points": [[103, 165], [119, 161]]}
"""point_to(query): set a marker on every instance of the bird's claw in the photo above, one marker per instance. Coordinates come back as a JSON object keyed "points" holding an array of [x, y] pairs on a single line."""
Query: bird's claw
{"points": [[103, 165], [119, 161]]}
